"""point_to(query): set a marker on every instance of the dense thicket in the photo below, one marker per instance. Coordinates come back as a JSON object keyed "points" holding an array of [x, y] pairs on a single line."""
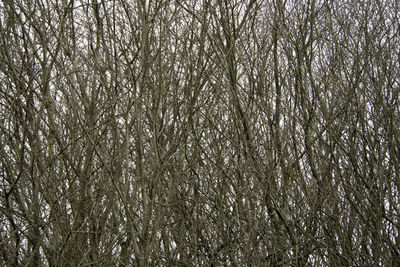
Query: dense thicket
{"points": [[199, 133]]}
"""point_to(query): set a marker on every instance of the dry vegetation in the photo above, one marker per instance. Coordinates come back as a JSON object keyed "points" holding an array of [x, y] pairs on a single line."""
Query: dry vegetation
{"points": [[199, 133]]}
